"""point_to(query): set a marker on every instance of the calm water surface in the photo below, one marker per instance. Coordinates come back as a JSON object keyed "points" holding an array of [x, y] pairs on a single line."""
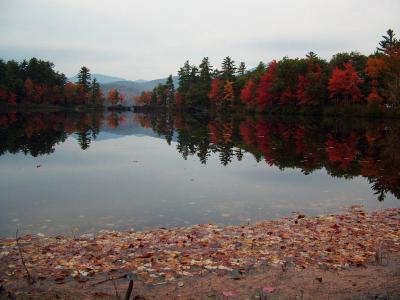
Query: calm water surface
{"points": [[70, 173]]}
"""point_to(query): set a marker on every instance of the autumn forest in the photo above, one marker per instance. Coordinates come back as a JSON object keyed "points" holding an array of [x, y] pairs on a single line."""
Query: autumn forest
{"points": [[350, 83]]}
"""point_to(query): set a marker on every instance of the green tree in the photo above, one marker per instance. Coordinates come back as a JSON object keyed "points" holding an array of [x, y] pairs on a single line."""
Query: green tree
{"points": [[242, 69], [388, 42], [311, 56], [184, 74], [194, 74], [205, 76], [258, 72], [84, 78], [96, 92], [170, 90], [228, 69], [358, 60], [205, 70], [216, 73]]}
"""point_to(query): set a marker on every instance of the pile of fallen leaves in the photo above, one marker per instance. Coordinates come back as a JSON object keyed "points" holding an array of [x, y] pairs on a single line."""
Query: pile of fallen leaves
{"points": [[335, 241]]}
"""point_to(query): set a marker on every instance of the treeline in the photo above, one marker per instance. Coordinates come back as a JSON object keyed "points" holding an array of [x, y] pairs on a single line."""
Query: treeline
{"points": [[36, 82], [309, 84]]}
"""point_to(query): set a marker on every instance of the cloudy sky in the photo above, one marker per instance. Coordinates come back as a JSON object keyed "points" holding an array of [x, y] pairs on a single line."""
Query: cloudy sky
{"points": [[150, 39]]}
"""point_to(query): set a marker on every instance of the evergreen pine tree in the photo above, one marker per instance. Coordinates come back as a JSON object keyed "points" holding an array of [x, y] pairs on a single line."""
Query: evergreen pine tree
{"points": [[95, 91], [84, 78], [184, 77], [228, 69], [242, 69], [388, 41], [170, 90], [205, 70]]}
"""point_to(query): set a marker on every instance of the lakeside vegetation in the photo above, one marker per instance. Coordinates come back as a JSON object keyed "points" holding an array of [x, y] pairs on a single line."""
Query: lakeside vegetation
{"points": [[350, 83], [35, 82]]}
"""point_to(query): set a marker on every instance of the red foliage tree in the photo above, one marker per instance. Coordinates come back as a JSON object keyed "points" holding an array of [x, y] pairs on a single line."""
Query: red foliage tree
{"points": [[179, 99], [248, 93], [310, 85], [263, 133], [264, 96], [299, 135], [374, 96], [29, 89], [213, 129], [344, 84], [70, 91], [286, 97], [374, 69], [179, 122], [55, 95], [342, 151], [216, 90], [83, 96], [247, 132], [301, 89]]}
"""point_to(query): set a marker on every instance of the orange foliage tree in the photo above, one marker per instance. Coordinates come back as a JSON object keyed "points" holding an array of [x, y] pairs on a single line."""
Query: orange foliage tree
{"points": [[144, 98], [384, 72], [115, 97], [374, 70], [228, 91]]}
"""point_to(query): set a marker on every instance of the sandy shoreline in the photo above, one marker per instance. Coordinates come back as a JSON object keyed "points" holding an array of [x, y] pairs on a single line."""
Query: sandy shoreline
{"points": [[179, 261]]}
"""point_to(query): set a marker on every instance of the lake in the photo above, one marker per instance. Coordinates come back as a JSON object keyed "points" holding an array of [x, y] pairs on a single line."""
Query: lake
{"points": [[73, 172]]}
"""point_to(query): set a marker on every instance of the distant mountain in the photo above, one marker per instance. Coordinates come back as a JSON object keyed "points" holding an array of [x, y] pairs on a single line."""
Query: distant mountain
{"points": [[134, 88], [129, 88], [101, 78]]}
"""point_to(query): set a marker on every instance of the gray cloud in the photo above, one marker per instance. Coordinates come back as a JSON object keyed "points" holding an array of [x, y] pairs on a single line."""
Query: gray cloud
{"points": [[152, 38]]}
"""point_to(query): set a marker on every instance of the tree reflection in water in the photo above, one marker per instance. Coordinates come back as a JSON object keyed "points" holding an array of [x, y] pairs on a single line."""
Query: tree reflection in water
{"points": [[345, 148]]}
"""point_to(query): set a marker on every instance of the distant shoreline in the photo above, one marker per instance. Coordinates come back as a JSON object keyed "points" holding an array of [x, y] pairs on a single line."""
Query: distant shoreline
{"points": [[352, 111]]}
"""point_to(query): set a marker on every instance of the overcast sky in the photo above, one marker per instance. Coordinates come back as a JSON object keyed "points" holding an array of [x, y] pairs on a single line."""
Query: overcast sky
{"points": [[152, 38]]}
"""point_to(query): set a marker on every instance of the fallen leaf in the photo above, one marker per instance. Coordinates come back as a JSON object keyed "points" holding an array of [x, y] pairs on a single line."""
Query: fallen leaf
{"points": [[268, 289]]}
